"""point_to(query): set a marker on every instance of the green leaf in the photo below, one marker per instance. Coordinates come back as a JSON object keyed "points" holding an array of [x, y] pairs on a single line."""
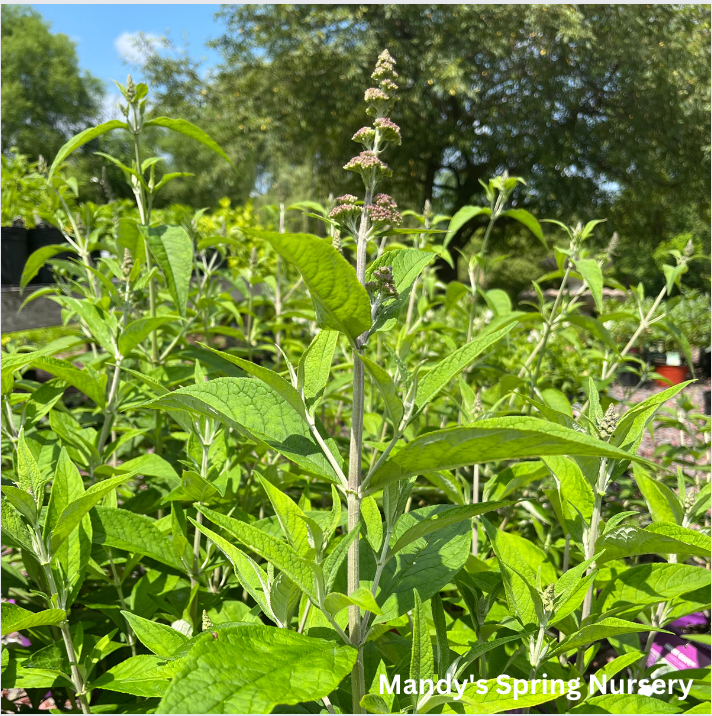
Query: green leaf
{"points": [[593, 277], [250, 575], [386, 387], [272, 379], [406, 265], [462, 216], [362, 598], [442, 651], [161, 639], [188, 130], [82, 138], [16, 618], [489, 440], [75, 511], [662, 501], [38, 259], [477, 651], [673, 275], [494, 702], [518, 577], [74, 554], [136, 331], [646, 584], [250, 405], [97, 321], [373, 523], [341, 302], [422, 665], [626, 704], [147, 676], [172, 249], [137, 534], [576, 494], [693, 538], [315, 367], [437, 378], [439, 520], [252, 669], [629, 541], [616, 666], [525, 218], [291, 518], [29, 477], [22, 501], [602, 629], [427, 564], [281, 555], [80, 379], [14, 528]]}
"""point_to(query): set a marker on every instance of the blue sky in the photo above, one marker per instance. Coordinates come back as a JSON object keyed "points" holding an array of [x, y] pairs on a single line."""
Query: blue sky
{"points": [[103, 33]]}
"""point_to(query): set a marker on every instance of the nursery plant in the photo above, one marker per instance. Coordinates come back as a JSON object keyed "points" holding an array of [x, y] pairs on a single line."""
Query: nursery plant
{"points": [[282, 472]]}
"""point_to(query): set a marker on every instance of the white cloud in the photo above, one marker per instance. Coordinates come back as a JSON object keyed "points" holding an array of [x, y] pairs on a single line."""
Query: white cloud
{"points": [[128, 46]]}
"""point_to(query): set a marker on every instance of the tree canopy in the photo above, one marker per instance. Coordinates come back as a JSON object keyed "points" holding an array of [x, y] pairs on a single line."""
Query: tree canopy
{"points": [[45, 96], [604, 109]]}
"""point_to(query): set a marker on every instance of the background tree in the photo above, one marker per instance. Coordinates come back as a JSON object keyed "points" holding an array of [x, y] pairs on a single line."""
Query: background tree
{"points": [[45, 97], [603, 109]]}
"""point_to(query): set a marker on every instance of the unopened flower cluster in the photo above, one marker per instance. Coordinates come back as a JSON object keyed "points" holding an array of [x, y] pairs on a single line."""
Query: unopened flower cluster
{"points": [[381, 211], [382, 283]]}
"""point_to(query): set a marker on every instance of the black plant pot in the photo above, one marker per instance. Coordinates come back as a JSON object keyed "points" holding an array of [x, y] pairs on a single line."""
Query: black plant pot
{"points": [[14, 254], [707, 395], [40, 237], [629, 380]]}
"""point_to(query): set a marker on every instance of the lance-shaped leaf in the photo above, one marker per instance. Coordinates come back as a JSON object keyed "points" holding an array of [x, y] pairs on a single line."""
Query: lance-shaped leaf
{"points": [[74, 554], [250, 575], [29, 477], [161, 639], [82, 380], [591, 274], [272, 379], [422, 665], [172, 249], [75, 511], [576, 494], [461, 217], [525, 218], [427, 564], [362, 598], [518, 577], [602, 629], [96, 320], [301, 571], [662, 501], [315, 366], [136, 331], [16, 618], [145, 675], [494, 701], [138, 534], [82, 138], [633, 704], [439, 520], [437, 378], [629, 540], [373, 523], [489, 440], [386, 387], [250, 405], [290, 516], [477, 651], [341, 302], [39, 258], [252, 669], [646, 584], [188, 130], [406, 265]]}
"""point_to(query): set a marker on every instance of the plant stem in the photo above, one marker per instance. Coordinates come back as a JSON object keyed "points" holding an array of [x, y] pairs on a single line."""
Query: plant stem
{"points": [[475, 500], [77, 678], [591, 548]]}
